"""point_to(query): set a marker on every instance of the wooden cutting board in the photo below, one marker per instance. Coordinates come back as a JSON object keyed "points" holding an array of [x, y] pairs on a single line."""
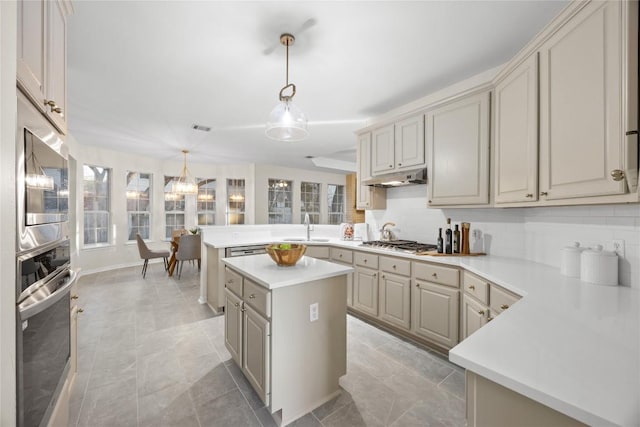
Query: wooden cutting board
{"points": [[435, 253]]}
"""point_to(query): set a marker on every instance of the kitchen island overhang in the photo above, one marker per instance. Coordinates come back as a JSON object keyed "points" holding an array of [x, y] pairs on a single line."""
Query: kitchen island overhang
{"points": [[293, 362]]}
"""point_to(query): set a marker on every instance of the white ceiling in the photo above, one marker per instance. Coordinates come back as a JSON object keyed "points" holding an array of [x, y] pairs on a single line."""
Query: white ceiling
{"points": [[141, 73]]}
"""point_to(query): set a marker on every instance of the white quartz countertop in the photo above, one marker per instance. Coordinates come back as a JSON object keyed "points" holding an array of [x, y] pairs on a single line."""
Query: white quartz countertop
{"points": [[567, 344], [262, 269]]}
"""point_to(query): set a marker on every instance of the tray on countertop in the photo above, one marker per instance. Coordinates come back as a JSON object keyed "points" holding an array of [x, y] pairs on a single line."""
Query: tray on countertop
{"points": [[435, 253]]}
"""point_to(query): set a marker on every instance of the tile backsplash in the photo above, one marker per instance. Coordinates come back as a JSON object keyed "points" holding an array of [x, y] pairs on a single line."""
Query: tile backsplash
{"points": [[536, 234]]}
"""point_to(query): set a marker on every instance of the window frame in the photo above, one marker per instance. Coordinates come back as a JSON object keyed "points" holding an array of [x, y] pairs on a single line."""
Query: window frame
{"points": [[342, 203], [95, 212], [139, 213], [202, 182]]}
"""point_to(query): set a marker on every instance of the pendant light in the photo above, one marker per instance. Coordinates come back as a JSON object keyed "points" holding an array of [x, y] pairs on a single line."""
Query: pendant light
{"points": [[287, 122], [185, 184], [35, 180]]}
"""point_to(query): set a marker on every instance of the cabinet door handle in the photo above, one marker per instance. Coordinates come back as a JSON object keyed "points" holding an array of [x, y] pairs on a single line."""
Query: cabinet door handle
{"points": [[252, 296], [236, 304], [50, 102], [544, 193], [393, 266], [365, 260], [375, 275], [504, 306], [243, 309], [617, 175], [340, 256], [489, 319], [481, 312], [384, 277], [56, 110], [390, 166], [74, 297], [399, 164], [434, 274], [417, 285], [80, 310], [472, 287], [528, 195]]}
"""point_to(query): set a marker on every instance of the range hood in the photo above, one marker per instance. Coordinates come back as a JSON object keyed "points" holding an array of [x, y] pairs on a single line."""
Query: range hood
{"points": [[397, 179]]}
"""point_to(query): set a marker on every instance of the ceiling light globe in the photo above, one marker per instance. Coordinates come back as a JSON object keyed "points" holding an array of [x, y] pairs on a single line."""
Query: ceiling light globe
{"points": [[287, 122]]}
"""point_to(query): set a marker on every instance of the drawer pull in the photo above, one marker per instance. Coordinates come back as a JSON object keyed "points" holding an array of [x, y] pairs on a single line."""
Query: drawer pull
{"points": [[252, 296], [243, 309], [375, 274], [481, 312], [80, 310], [393, 266], [489, 319], [384, 277], [504, 306], [473, 288], [544, 193], [435, 275], [417, 285], [365, 260], [528, 195], [74, 297], [236, 304], [340, 256]]}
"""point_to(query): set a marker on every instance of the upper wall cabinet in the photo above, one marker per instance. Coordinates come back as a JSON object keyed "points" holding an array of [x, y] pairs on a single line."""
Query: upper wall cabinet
{"points": [[582, 102], [399, 146], [367, 197], [458, 152], [42, 57], [516, 134]]}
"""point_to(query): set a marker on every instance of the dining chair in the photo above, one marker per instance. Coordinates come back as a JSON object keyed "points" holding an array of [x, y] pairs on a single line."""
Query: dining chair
{"points": [[188, 249], [146, 254]]}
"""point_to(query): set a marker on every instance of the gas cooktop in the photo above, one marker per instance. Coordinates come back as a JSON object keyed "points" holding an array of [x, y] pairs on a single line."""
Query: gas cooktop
{"points": [[407, 246]]}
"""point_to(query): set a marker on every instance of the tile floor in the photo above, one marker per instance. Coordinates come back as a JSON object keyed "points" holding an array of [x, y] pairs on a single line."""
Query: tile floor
{"points": [[150, 355]]}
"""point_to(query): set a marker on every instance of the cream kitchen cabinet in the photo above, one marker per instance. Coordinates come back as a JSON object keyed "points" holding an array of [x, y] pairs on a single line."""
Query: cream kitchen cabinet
{"points": [[516, 134], [367, 197], [399, 146], [42, 56], [365, 290], [319, 252], [582, 103], [435, 303], [395, 291], [458, 152], [482, 301], [345, 257]]}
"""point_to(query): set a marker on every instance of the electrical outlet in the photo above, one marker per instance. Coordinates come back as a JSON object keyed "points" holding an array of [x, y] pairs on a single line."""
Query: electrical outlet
{"points": [[617, 245], [313, 312]]}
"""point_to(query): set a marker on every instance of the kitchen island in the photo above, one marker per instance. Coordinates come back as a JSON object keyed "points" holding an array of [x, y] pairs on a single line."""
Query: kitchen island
{"points": [[285, 327]]}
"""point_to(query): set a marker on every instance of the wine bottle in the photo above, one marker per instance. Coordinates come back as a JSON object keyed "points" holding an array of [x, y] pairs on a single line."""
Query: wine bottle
{"points": [[440, 241], [448, 242], [456, 240]]}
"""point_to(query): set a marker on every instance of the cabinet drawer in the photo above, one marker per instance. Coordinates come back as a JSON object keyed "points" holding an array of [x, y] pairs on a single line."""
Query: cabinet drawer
{"points": [[366, 260], [233, 281], [342, 255], [501, 299], [395, 265], [320, 252], [476, 287], [257, 297], [436, 274]]}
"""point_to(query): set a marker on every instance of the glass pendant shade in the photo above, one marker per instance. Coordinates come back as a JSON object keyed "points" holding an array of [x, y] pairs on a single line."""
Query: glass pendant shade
{"points": [[287, 122], [185, 184]]}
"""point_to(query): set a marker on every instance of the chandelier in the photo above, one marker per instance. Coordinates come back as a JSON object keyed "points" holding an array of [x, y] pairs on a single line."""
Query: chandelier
{"points": [[185, 184], [287, 122]]}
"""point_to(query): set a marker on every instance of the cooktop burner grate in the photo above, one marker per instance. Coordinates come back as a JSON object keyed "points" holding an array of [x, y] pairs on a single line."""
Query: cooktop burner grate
{"points": [[410, 246]]}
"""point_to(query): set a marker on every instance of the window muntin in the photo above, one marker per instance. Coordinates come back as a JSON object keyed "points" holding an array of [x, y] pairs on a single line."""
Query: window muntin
{"points": [[310, 201], [96, 185], [280, 198], [235, 201], [206, 201], [335, 203], [138, 193]]}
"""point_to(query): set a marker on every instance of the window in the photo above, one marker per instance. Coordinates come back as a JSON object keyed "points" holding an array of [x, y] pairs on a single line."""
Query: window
{"points": [[235, 201], [96, 183], [280, 199], [206, 203], [173, 207], [138, 204], [310, 201], [335, 203]]}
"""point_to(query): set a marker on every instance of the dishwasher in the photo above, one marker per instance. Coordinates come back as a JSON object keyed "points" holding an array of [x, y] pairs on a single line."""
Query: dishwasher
{"points": [[245, 250]]}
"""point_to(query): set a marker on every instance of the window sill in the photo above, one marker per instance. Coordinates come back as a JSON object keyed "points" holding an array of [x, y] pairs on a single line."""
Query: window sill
{"points": [[97, 246]]}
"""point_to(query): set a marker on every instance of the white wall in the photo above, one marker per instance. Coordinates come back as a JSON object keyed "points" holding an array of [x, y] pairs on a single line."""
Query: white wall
{"points": [[8, 110], [536, 234], [266, 172]]}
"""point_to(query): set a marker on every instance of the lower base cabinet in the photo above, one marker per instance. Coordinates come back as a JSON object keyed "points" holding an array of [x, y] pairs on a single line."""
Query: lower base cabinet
{"points": [[255, 357], [365, 290], [395, 297], [474, 316], [435, 312]]}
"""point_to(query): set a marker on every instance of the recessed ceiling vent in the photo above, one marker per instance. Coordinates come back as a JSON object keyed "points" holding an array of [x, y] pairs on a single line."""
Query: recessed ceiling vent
{"points": [[202, 128]]}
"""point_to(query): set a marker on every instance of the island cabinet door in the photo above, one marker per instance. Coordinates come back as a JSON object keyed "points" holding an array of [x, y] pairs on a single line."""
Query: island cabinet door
{"points": [[233, 326], [474, 316], [394, 299], [365, 296], [435, 312], [255, 359]]}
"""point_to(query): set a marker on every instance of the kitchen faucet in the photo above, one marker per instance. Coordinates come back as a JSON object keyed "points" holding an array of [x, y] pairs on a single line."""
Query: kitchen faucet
{"points": [[307, 224], [386, 233]]}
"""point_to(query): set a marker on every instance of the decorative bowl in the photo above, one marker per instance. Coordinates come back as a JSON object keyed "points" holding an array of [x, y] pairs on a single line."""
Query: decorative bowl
{"points": [[286, 254]]}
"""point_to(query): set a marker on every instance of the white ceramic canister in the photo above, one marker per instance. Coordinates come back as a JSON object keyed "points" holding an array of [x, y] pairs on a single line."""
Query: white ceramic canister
{"points": [[599, 267], [570, 265]]}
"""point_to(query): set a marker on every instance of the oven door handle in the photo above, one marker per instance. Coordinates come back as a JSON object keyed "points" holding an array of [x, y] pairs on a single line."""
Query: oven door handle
{"points": [[32, 305]]}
